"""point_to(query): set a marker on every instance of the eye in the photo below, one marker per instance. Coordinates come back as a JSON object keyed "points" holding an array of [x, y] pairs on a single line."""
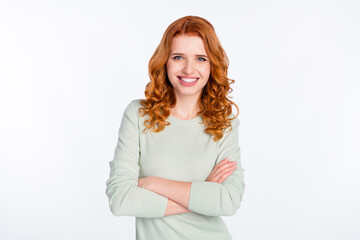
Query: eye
{"points": [[176, 57], [203, 59]]}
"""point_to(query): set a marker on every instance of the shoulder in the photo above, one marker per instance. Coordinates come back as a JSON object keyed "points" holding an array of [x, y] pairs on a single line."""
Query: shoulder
{"points": [[231, 132], [132, 110], [234, 122], [133, 105]]}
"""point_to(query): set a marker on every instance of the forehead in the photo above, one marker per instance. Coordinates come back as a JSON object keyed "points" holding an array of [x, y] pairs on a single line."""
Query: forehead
{"points": [[188, 44]]}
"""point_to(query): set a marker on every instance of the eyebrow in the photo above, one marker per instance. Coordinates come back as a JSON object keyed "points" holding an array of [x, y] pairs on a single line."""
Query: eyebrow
{"points": [[198, 55]]}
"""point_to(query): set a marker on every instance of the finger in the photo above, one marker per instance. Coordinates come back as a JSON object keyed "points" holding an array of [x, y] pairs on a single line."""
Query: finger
{"points": [[218, 174], [224, 161], [225, 176], [215, 169], [218, 167], [224, 168], [223, 171]]}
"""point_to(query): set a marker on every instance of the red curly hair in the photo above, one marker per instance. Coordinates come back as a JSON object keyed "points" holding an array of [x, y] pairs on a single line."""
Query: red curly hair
{"points": [[215, 107]]}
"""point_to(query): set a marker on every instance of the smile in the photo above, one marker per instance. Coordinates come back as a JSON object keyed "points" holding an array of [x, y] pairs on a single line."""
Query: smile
{"points": [[188, 79]]}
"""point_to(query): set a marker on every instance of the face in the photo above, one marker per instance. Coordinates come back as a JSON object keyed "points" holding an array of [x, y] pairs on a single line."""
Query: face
{"points": [[188, 66]]}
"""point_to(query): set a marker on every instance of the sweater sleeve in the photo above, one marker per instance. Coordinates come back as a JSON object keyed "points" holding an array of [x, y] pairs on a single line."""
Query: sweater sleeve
{"points": [[125, 197], [221, 199]]}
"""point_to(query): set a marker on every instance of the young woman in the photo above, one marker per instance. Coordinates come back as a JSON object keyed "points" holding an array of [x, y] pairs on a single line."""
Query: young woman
{"points": [[176, 166]]}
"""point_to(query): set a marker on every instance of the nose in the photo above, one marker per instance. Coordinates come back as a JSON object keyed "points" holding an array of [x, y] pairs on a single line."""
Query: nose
{"points": [[189, 67]]}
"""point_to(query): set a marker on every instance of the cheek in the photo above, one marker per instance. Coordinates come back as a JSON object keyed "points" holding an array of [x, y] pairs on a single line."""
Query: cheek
{"points": [[171, 69], [206, 70]]}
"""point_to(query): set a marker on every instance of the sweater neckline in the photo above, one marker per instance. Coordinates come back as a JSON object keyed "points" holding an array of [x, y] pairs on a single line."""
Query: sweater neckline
{"points": [[185, 121]]}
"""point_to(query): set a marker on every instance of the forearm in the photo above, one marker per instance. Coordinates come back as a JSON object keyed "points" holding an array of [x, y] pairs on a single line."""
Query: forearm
{"points": [[126, 199], [177, 191], [175, 208]]}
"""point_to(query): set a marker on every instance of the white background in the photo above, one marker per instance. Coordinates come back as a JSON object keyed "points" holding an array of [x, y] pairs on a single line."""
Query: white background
{"points": [[69, 68]]}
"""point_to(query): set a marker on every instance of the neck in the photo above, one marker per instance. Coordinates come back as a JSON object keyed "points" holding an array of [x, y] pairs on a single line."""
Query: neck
{"points": [[185, 108]]}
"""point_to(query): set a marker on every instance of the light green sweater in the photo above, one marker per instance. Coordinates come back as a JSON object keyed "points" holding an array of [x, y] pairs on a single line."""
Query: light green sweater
{"points": [[183, 151]]}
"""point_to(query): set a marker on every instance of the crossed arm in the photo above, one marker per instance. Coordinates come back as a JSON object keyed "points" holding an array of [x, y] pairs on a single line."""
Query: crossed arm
{"points": [[178, 192]]}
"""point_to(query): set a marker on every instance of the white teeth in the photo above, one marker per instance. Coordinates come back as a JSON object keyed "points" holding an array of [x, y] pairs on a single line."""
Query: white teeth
{"points": [[189, 79]]}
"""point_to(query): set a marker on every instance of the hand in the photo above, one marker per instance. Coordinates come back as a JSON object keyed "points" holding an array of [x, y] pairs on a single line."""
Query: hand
{"points": [[221, 171], [146, 182]]}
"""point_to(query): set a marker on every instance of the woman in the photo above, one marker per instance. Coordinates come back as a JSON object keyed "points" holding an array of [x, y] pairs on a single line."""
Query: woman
{"points": [[176, 166]]}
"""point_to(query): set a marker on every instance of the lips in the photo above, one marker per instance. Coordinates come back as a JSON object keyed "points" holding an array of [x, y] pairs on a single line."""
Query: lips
{"points": [[188, 79], [187, 84]]}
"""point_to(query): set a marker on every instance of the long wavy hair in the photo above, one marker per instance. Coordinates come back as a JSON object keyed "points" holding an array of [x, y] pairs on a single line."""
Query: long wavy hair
{"points": [[215, 106]]}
